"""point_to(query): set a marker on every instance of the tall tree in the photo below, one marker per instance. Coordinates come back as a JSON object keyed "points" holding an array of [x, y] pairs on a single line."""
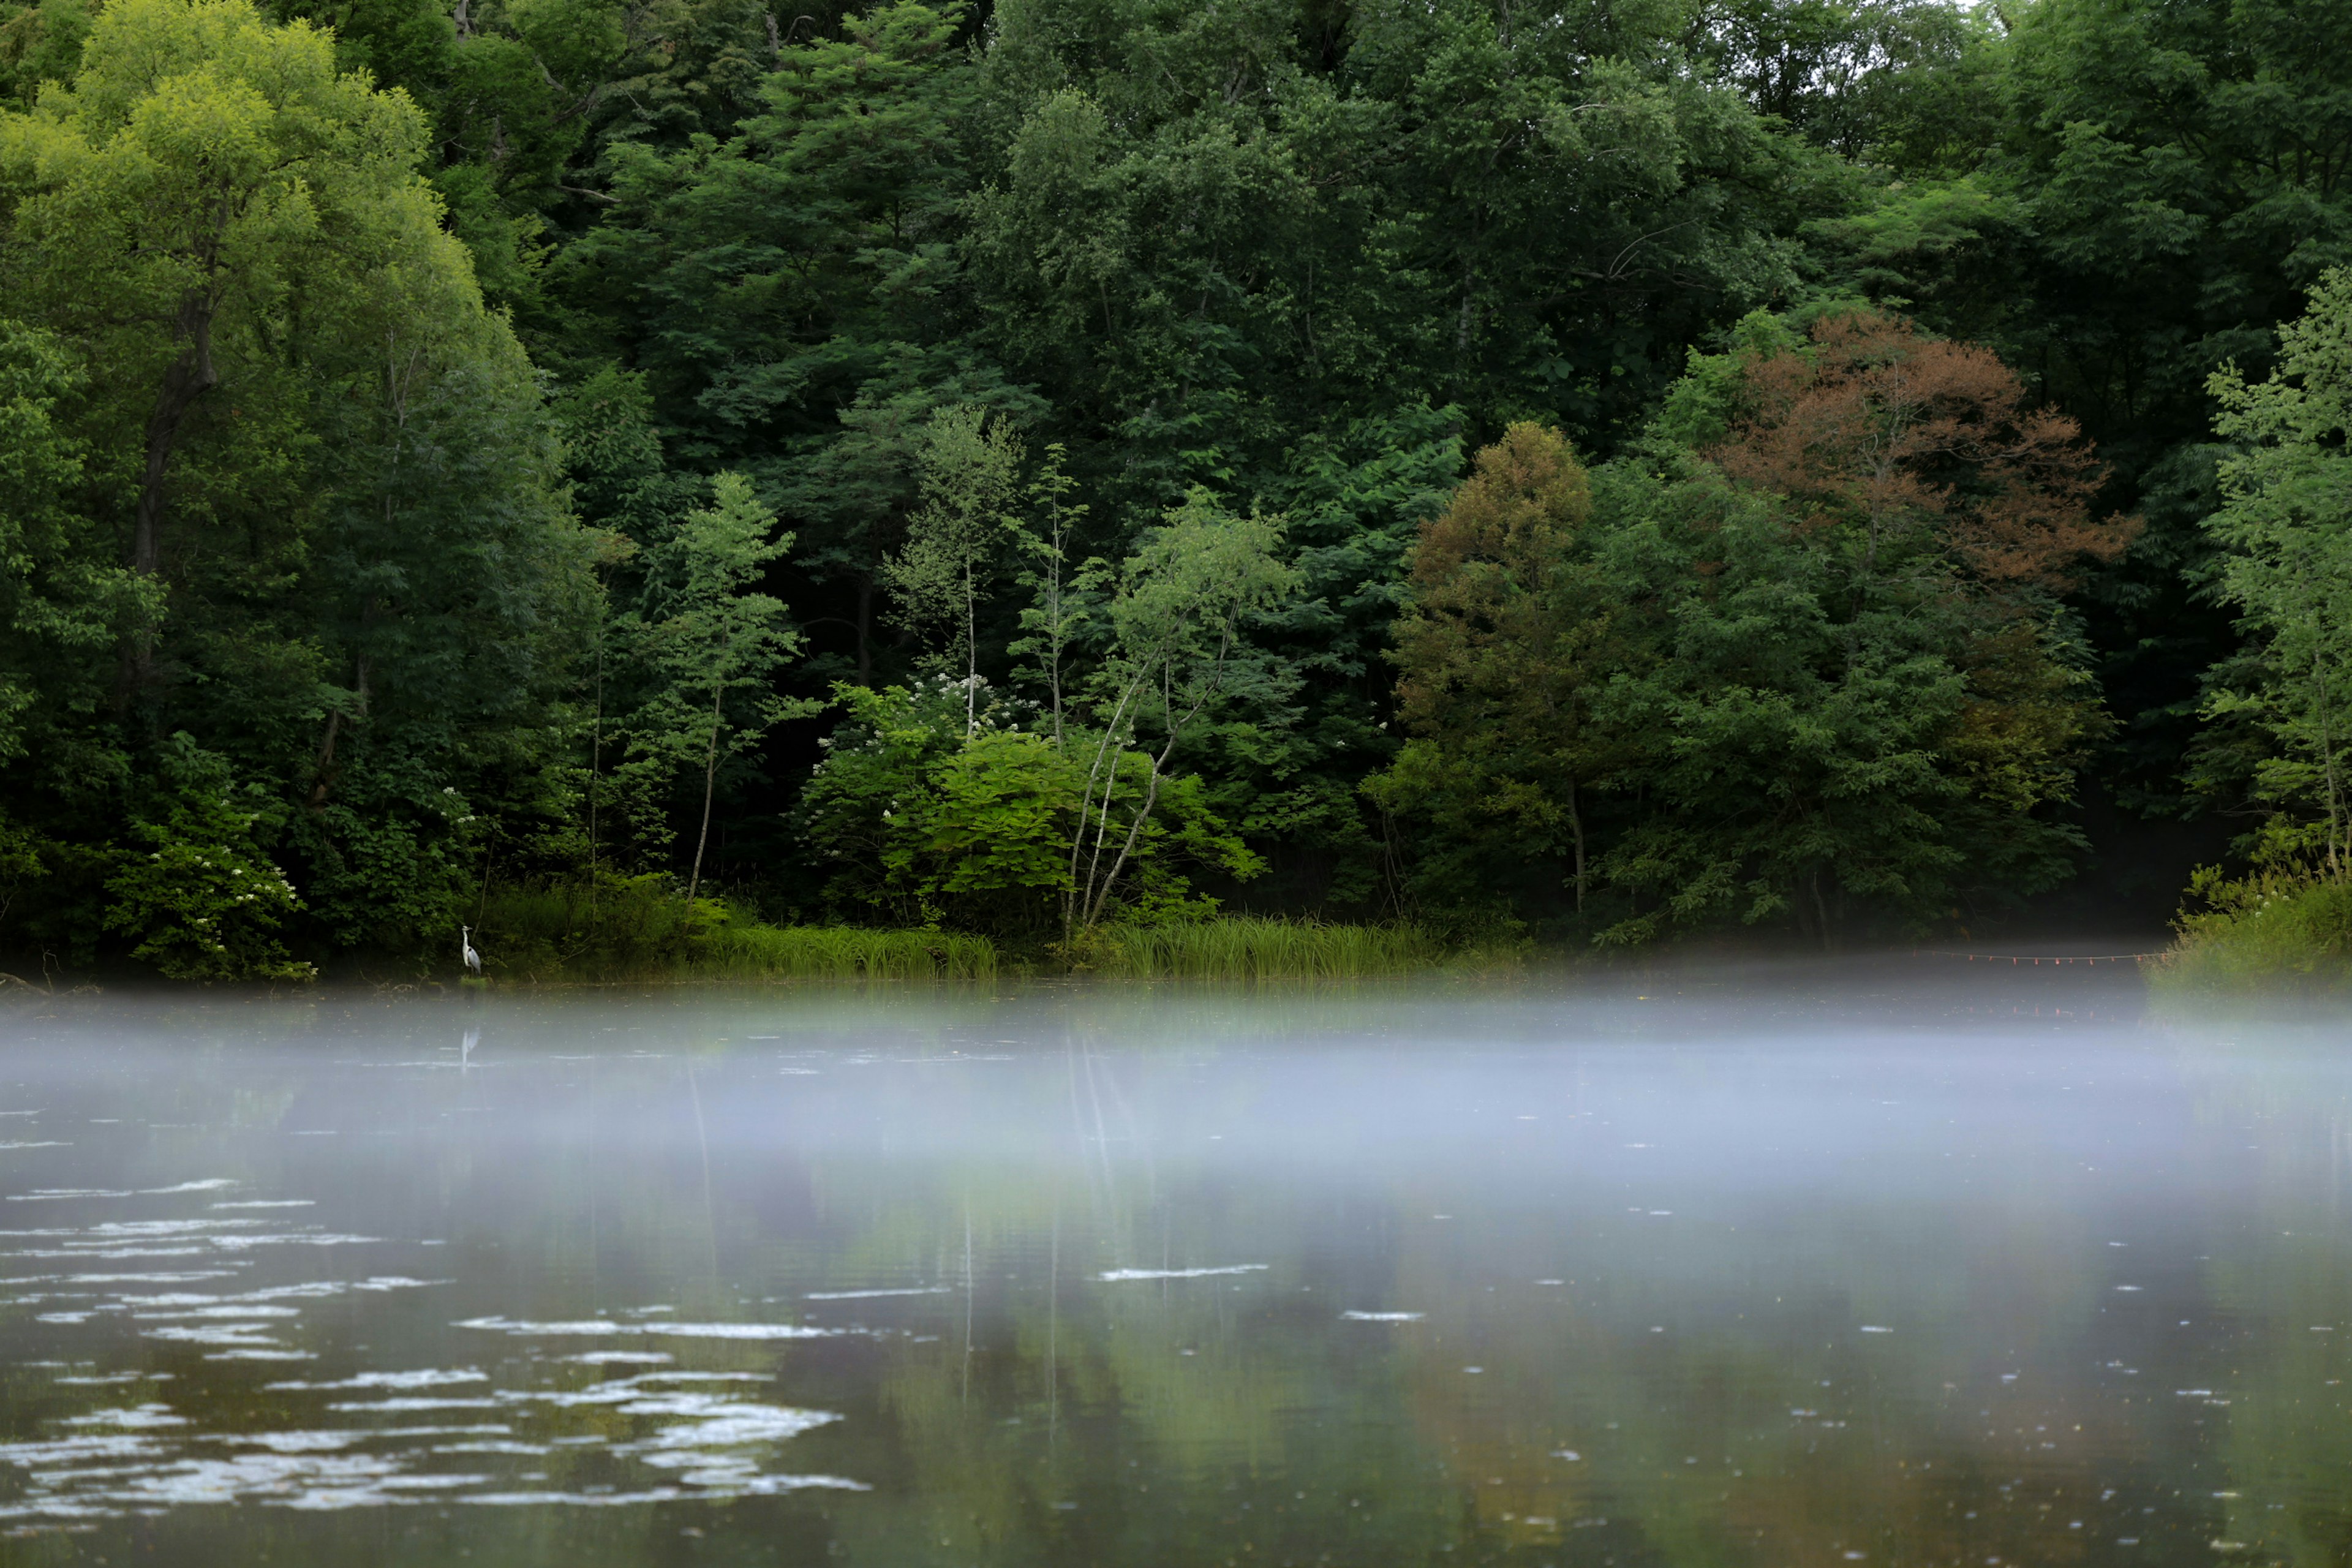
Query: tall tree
{"points": [[1508, 634], [202, 170], [1867, 686], [322, 460], [710, 638], [2152, 188], [1061, 590], [2286, 533], [65, 600], [1793, 658], [1178, 619], [957, 539], [1894, 440], [790, 286]]}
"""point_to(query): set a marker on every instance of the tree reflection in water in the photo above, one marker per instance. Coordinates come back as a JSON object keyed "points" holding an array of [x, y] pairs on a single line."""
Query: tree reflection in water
{"points": [[1887, 1274]]}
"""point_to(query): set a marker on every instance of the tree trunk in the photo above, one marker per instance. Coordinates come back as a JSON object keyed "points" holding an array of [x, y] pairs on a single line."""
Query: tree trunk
{"points": [[866, 628], [1134, 832], [190, 377], [323, 775], [595, 768], [2328, 759], [1576, 827], [1077, 895], [709, 776]]}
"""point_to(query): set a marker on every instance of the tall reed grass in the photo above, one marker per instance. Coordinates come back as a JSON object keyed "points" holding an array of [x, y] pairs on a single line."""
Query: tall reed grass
{"points": [[1254, 947], [841, 953], [639, 930]]}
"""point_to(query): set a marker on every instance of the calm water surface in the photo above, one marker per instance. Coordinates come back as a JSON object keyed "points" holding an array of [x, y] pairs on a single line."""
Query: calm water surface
{"points": [[1894, 1267]]}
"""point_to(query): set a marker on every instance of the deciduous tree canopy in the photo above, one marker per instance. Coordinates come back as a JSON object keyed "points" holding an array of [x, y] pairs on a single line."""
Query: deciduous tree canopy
{"points": [[1615, 471]]}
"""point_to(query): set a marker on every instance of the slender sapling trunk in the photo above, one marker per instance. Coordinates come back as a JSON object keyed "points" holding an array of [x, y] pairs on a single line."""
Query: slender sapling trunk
{"points": [[709, 776]]}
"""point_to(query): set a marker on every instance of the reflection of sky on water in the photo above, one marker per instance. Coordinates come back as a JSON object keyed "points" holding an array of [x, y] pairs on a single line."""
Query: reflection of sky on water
{"points": [[1882, 1265]]}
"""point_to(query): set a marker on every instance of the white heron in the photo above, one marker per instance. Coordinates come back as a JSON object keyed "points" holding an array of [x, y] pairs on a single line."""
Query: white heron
{"points": [[473, 960]]}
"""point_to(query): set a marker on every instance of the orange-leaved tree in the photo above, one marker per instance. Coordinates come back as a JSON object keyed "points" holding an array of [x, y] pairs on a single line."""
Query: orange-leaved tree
{"points": [[1910, 445]]}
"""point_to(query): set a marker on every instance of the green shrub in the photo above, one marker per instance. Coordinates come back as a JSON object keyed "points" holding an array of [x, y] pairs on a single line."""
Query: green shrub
{"points": [[915, 822], [638, 927], [2261, 929], [388, 863], [199, 893], [607, 928]]}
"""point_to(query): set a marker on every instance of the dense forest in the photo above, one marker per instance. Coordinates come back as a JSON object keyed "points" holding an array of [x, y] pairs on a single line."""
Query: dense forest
{"points": [[1841, 469]]}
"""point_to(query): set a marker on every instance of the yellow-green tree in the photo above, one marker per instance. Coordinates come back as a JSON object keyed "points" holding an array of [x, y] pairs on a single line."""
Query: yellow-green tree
{"points": [[1506, 634], [323, 463], [206, 179]]}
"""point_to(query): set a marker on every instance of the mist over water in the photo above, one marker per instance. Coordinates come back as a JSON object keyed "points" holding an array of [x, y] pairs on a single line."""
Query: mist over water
{"points": [[1899, 1264]]}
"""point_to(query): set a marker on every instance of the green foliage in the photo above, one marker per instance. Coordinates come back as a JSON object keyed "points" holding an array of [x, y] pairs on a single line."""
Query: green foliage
{"points": [[1508, 637], [617, 930], [1131, 355], [392, 874], [707, 638], [2285, 524], [63, 602], [2254, 932], [1178, 619], [1257, 948], [958, 534], [39, 43], [202, 899], [919, 817], [601, 928], [1800, 759], [925, 815], [1064, 593], [315, 518], [1213, 253], [2151, 193], [1809, 673], [1900, 82]]}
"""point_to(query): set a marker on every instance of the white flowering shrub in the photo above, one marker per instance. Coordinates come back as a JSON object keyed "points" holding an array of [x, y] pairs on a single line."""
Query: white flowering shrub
{"points": [[202, 895]]}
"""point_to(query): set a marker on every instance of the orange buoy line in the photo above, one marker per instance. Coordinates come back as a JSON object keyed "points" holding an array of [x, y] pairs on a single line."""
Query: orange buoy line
{"points": [[2016, 958]]}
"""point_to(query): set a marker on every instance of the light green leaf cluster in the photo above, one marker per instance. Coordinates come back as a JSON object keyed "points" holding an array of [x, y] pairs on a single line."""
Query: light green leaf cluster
{"points": [[711, 636], [2287, 526]]}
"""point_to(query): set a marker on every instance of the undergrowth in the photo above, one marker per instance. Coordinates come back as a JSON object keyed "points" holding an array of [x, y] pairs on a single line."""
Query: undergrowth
{"points": [[2255, 933], [1256, 947], [753, 953], [638, 930]]}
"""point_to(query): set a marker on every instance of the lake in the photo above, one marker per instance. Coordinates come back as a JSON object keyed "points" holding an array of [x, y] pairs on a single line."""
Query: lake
{"points": [[1899, 1264]]}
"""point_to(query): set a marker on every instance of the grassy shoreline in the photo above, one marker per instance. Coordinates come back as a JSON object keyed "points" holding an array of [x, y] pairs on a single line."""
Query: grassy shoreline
{"points": [[2262, 933], [634, 933]]}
